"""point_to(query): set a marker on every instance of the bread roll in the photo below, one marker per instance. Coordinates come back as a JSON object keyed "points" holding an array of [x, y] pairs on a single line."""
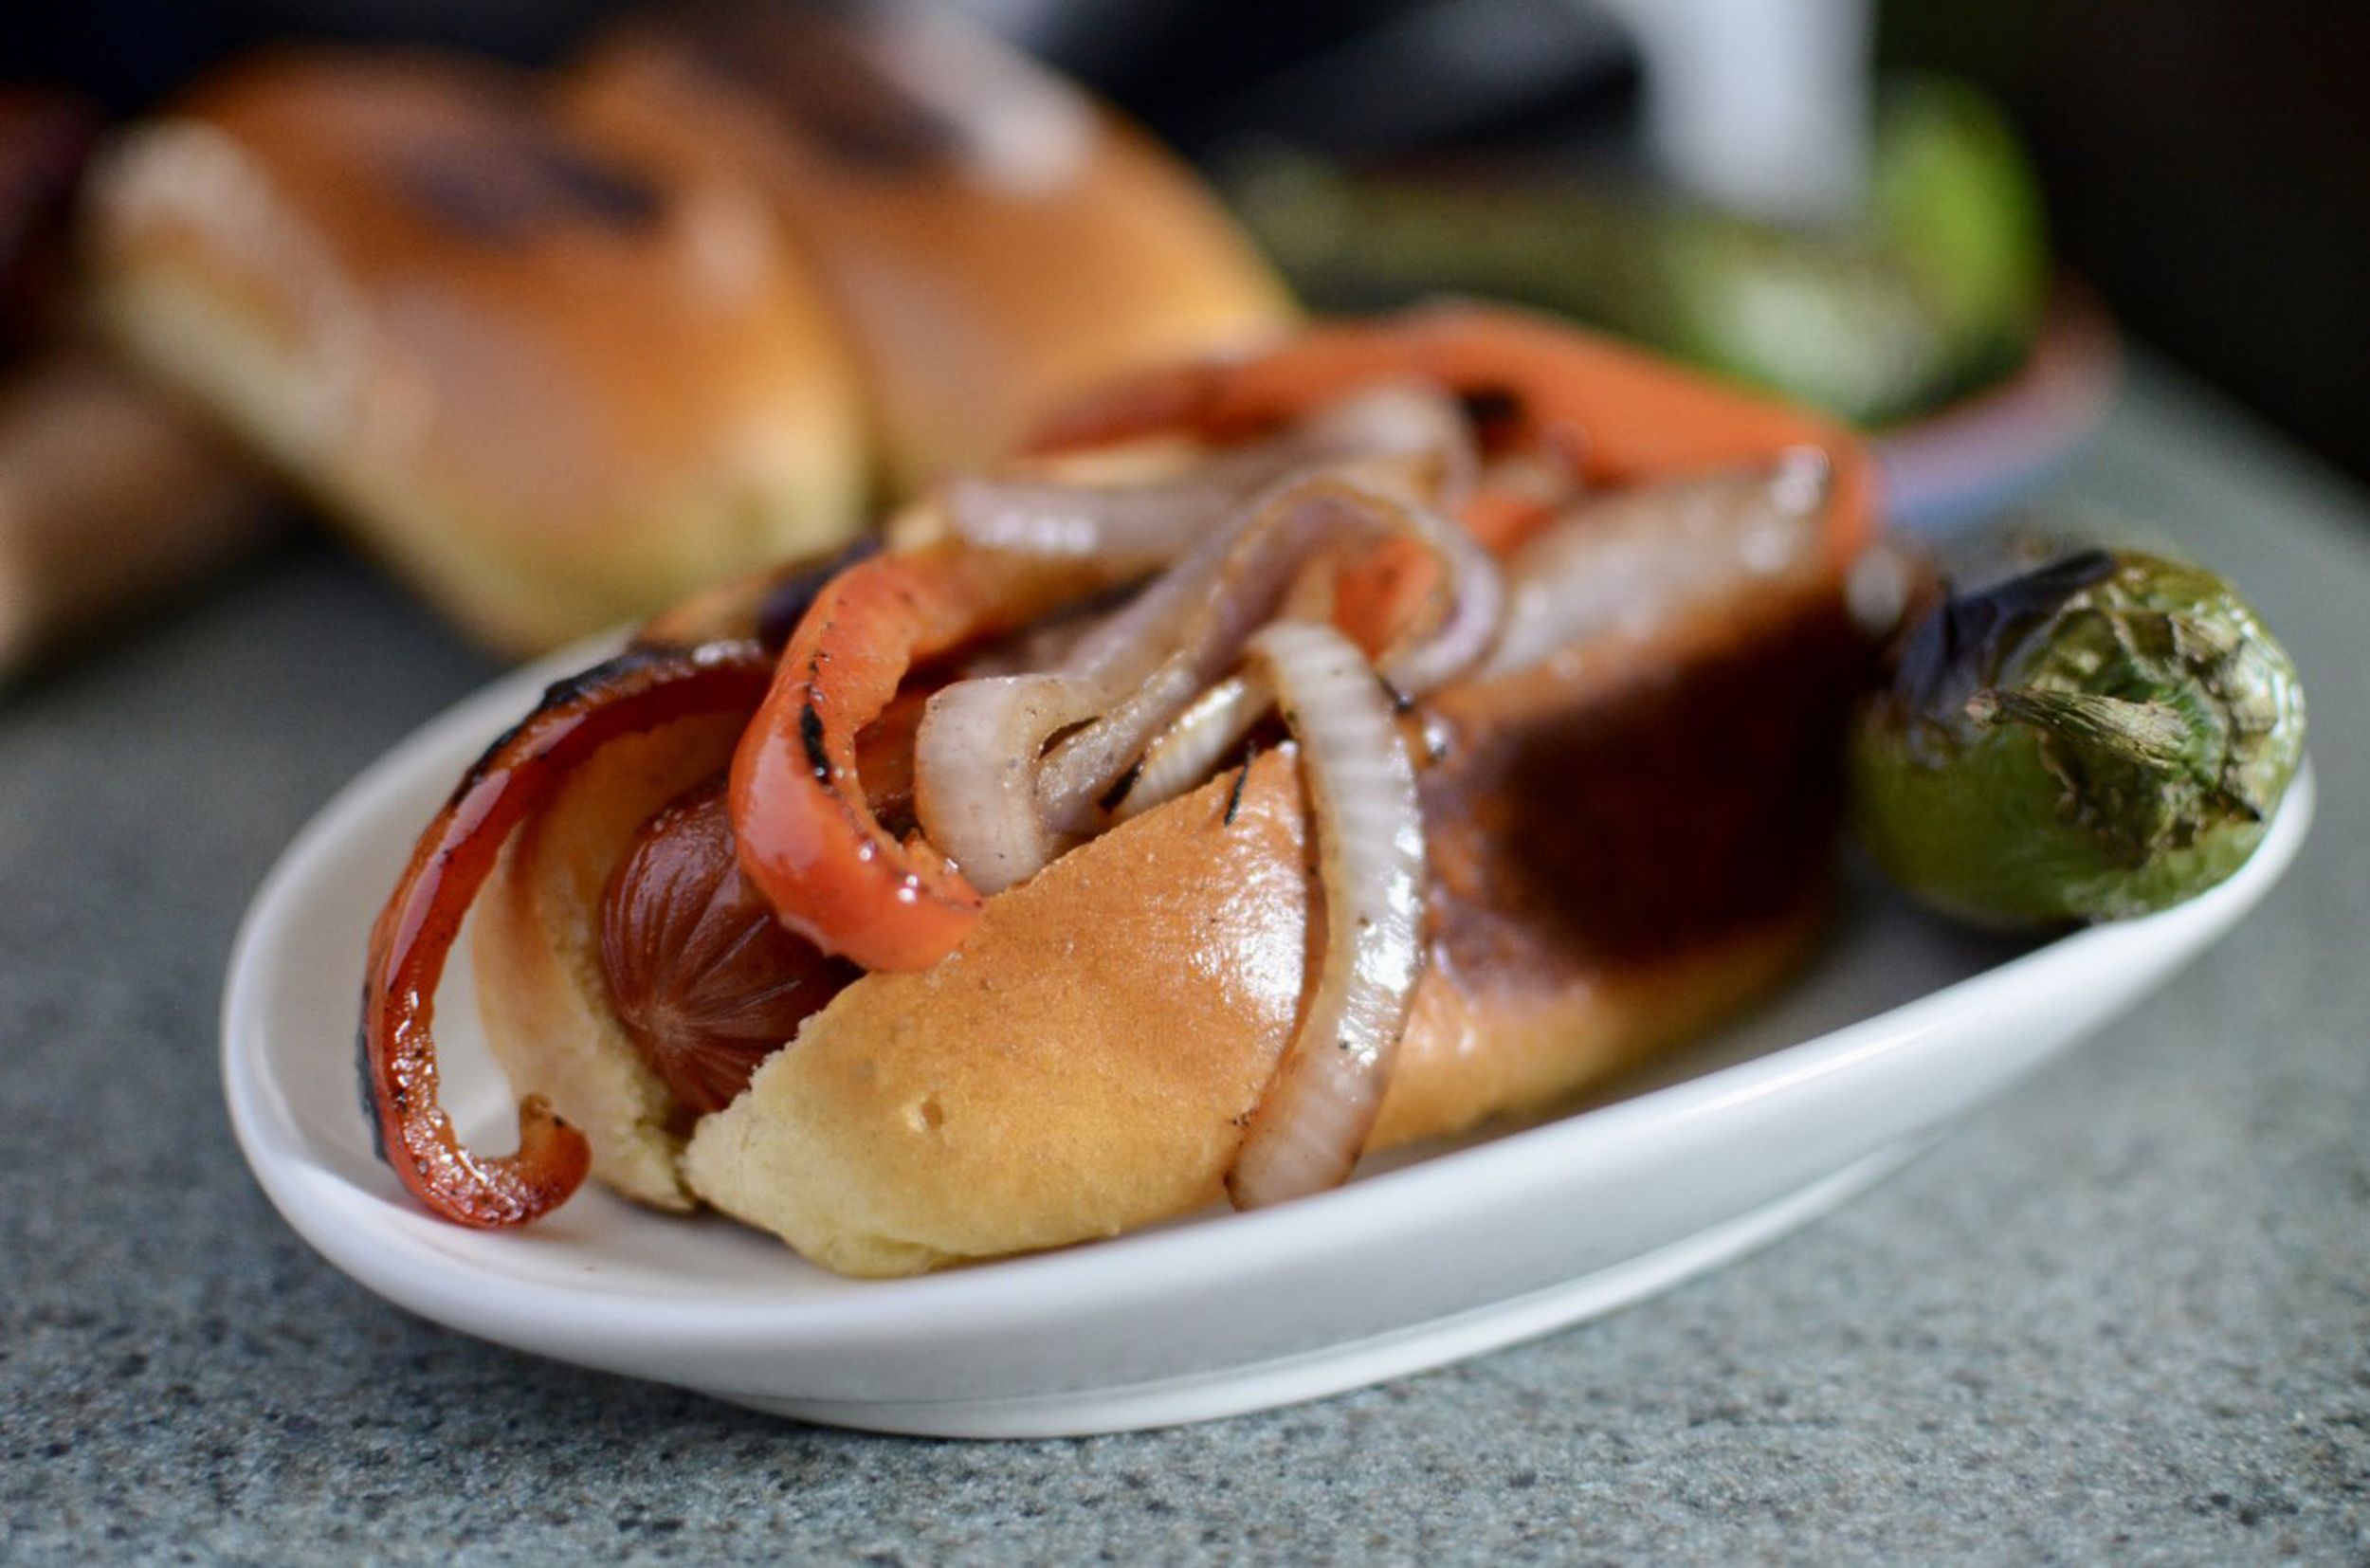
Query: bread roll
{"points": [[553, 383], [995, 241]]}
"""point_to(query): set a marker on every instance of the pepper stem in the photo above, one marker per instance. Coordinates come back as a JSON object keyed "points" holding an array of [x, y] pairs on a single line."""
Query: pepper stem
{"points": [[2155, 735]]}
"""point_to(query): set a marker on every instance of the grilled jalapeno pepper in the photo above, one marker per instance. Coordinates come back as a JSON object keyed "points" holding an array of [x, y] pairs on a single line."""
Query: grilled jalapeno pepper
{"points": [[2101, 737]]}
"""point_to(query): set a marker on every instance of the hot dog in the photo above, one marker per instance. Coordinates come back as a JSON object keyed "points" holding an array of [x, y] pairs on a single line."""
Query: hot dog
{"points": [[974, 897]]}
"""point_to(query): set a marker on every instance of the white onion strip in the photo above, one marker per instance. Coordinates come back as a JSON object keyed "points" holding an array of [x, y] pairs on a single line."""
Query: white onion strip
{"points": [[980, 759], [1312, 1123], [1637, 559], [983, 813], [1185, 753], [1472, 600], [1224, 595], [1136, 527]]}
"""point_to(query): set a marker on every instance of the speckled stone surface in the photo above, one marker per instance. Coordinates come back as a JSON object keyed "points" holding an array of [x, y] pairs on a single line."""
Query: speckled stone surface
{"points": [[2123, 1315]]}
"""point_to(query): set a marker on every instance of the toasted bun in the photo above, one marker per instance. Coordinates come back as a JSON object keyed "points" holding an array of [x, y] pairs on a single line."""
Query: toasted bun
{"points": [[553, 383], [1626, 845], [995, 242], [1085, 1063]]}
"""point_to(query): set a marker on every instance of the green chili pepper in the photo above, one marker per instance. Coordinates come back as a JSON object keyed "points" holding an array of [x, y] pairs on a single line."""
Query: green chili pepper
{"points": [[1935, 288], [2101, 737]]}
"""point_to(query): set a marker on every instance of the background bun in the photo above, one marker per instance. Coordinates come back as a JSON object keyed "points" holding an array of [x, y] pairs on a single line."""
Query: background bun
{"points": [[552, 381], [995, 241]]}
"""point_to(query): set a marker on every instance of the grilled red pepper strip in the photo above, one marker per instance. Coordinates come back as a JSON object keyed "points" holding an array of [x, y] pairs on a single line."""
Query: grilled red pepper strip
{"points": [[519, 772], [807, 837], [1625, 416]]}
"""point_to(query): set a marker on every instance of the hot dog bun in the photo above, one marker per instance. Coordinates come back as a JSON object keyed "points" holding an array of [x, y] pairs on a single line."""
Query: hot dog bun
{"points": [[1081, 1065], [1086, 1065], [995, 242], [552, 382]]}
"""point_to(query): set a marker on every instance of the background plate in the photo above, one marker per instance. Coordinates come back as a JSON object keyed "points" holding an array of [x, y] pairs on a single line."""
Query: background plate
{"points": [[1983, 454]]}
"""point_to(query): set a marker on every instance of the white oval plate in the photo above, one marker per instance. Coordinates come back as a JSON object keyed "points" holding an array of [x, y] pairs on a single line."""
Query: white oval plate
{"points": [[1901, 1026]]}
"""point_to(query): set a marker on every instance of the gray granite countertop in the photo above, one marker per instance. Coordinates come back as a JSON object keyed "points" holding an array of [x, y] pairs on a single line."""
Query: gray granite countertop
{"points": [[2122, 1315]]}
